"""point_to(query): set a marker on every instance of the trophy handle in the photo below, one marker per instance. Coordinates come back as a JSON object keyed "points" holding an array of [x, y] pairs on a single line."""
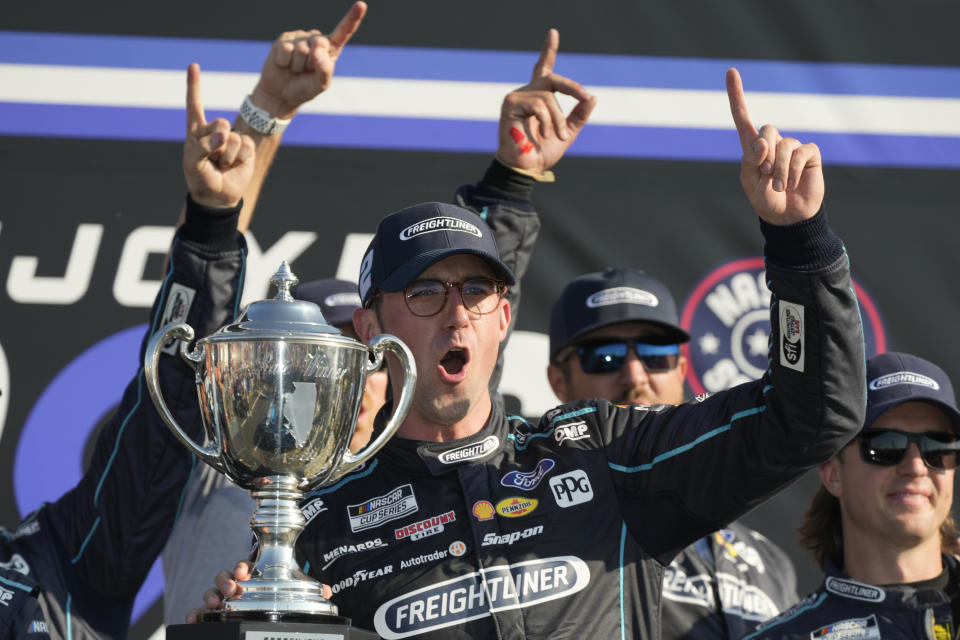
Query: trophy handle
{"points": [[381, 343], [151, 359]]}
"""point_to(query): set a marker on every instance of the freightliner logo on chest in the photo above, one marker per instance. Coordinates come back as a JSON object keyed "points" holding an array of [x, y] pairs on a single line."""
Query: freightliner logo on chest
{"points": [[478, 594]]}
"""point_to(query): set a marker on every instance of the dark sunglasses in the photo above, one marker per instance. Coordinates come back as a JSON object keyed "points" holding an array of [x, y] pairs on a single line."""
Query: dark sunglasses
{"points": [[887, 447], [607, 355]]}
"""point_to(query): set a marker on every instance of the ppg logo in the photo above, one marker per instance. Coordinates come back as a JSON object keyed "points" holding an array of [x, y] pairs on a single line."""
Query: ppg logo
{"points": [[571, 489]]}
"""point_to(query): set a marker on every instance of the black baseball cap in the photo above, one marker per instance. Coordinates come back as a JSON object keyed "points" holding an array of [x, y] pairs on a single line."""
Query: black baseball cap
{"points": [[616, 295], [894, 378], [337, 299], [412, 239]]}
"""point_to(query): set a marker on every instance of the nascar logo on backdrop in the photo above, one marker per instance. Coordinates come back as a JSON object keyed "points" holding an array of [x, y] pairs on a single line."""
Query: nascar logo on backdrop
{"points": [[728, 319]]}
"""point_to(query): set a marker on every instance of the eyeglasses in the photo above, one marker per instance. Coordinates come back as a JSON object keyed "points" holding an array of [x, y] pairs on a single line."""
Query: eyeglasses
{"points": [[427, 298], [607, 355], [887, 447]]}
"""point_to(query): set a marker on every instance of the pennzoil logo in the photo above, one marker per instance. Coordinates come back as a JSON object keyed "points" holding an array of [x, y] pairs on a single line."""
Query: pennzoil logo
{"points": [[471, 451], [441, 223], [728, 319], [478, 594], [392, 505], [516, 507]]}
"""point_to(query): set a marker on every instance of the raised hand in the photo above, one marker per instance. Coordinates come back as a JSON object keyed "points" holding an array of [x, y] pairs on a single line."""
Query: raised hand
{"points": [[783, 178], [534, 132], [217, 162], [301, 63]]}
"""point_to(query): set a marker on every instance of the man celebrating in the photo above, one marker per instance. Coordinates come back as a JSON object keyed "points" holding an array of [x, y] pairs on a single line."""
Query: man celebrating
{"points": [[880, 524], [475, 524], [615, 335]]}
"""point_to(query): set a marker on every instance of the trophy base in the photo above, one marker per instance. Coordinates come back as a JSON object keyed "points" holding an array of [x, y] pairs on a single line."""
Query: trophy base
{"points": [[330, 628]]}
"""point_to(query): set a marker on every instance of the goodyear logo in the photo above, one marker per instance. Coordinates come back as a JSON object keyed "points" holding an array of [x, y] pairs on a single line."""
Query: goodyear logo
{"points": [[728, 319], [516, 507], [478, 594]]}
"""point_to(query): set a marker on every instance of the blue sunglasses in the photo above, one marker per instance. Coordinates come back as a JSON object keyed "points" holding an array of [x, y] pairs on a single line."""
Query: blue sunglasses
{"points": [[607, 355]]}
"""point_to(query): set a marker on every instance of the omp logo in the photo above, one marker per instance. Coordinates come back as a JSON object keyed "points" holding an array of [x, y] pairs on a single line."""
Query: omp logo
{"points": [[346, 549], [5, 596], [903, 377], [478, 594], [571, 432], [728, 318], [571, 489], [471, 451], [855, 590], [441, 223], [622, 295], [516, 507], [382, 509], [424, 528], [312, 509], [528, 480]]}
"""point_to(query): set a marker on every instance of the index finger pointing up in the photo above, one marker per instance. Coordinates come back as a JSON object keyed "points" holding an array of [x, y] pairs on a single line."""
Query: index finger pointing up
{"points": [[738, 108], [195, 116], [348, 25], [548, 55]]}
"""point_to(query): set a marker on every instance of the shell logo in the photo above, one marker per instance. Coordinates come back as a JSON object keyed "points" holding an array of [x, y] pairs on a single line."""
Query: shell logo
{"points": [[483, 510], [457, 548], [516, 507]]}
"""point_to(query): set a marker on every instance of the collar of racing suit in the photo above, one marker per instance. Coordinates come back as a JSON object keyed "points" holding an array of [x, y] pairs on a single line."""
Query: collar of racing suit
{"points": [[437, 458], [840, 585]]}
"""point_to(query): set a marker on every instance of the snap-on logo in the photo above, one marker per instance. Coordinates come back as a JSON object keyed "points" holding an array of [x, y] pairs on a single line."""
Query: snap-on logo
{"points": [[903, 377], [442, 223], [382, 509], [855, 590], [478, 594], [622, 295], [470, 451], [527, 481]]}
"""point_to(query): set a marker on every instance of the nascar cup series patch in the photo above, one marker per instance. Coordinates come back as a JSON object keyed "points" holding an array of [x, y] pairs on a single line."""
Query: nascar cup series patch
{"points": [[728, 319]]}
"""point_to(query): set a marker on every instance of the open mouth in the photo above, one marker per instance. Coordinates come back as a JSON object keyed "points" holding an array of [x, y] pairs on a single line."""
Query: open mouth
{"points": [[454, 361]]}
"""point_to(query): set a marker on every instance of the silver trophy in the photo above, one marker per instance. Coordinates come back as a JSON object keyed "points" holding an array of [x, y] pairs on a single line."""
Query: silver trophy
{"points": [[280, 391]]}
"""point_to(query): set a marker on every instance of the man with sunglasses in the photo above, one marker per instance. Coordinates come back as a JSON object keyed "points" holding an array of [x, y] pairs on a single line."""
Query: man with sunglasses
{"points": [[615, 335], [880, 524], [474, 524]]}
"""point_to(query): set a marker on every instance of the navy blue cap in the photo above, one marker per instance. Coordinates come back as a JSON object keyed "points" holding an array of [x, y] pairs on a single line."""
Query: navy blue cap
{"points": [[895, 378], [409, 241], [337, 299], [616, 295]]}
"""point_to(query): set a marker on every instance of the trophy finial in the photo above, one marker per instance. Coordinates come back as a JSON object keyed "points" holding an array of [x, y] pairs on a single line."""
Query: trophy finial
{"points": [[283, 279]]}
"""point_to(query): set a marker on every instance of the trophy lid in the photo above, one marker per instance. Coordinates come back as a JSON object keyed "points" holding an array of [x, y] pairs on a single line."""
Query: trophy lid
{"points": [[281, 318]]}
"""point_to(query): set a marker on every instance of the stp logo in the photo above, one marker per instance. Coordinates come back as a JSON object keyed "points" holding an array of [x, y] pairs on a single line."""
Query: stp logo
{"points": [[571, 489]]}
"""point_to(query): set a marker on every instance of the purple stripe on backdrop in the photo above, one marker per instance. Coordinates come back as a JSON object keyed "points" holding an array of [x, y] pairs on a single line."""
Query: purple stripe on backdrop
{"points": [[470, 136], [488, 66]]}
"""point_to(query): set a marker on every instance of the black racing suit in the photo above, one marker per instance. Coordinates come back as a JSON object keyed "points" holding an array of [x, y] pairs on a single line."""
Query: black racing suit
{"points": [[842, 608], [75, 565], [561, 529], [726, 583]]}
